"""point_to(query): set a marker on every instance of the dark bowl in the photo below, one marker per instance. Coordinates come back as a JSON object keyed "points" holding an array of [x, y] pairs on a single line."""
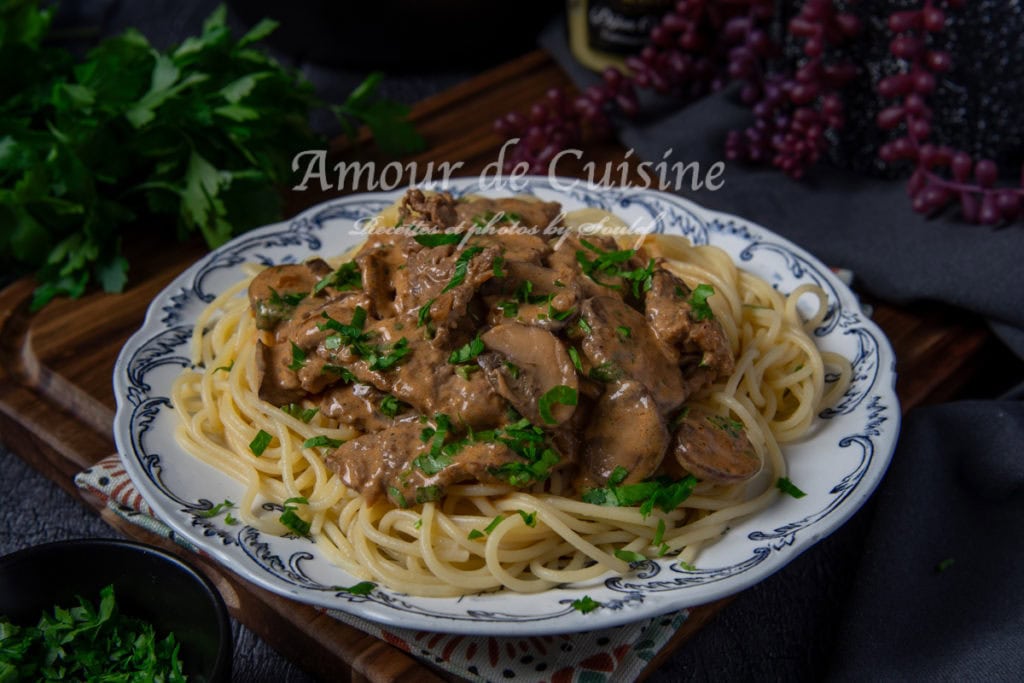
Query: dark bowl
{"points": [[148, 584]]}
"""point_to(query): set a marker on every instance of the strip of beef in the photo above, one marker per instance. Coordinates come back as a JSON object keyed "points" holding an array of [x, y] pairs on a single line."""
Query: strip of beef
{"points": [[619, 344], [276, 291], [525, 212], [700, 346], [533, 295], [425, 379], [384, 463], [383, 273], [432, 270], [356, 405], [435, 210], [714, 448], [286, 372], [524, 364], [625, 430], [564, 260]]}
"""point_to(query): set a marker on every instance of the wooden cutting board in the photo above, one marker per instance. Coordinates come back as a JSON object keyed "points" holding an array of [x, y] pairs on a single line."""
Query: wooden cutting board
{"points": [[57, 403]]}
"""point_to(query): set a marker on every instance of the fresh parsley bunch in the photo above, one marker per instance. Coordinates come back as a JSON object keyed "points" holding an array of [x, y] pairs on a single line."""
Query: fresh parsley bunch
{"points": [[195, 139]]}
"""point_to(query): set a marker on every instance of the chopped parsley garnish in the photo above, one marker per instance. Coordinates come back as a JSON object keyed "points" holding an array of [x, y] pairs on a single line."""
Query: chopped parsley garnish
{"points": [[733, 427], [300, 413], [556, 314], [321, 441], [291, 519], [509, 309], [298, 358], [574, 355], [464, 371], [290, 300], [659, 534], [428, 494], [88, 642], [629, 556], [397, 496], [499, 270], [391, 406], [530, 443], [699, 308], [624, 331], [216, 509], [346, 375], [605, 372], [661, 493], [476, 533], [361, 588], [226, 368], [585, 604], [439, 454], [786, 486], [680, 292], [641, 279], [524, 294], [945, 564], [438, 239], [530, 519], [461, 268], [423, 317], [383, 358], [604, 265], [260, 443], [228, 519], [418, 523], [688, 566], [512, 369], [468, 352], [618, 476], [663, 549], [346, 277], [585, 326], [567, 396]]}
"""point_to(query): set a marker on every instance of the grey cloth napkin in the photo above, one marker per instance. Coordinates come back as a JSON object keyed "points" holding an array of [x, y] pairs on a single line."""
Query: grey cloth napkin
{"points": [[925, 582]]}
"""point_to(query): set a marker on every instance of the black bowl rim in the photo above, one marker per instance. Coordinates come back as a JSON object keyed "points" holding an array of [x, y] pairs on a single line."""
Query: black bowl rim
{"points": [[222, 666]]}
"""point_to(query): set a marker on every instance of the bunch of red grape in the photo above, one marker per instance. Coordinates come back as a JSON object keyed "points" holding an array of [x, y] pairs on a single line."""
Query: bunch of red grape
{"points": [[797, 104], [942, 175]]}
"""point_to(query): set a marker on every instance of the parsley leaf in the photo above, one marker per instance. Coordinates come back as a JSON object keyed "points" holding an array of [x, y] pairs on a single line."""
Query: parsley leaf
{"points": [[216, 509], [468, 352], [438, 239], [530, 519], [391, 406], [567, 396], [629, 556], [300, 413], [361, 588], [321, 441], [699, 307], [786, 486], [461, 268], [346, 277], [298, 358], [585, 604], [661, 492], [291, 519], [260, 443]]}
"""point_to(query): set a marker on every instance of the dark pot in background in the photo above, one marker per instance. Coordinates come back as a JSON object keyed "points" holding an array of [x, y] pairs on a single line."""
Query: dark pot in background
{"points": [[407, 35], [149, 584]]}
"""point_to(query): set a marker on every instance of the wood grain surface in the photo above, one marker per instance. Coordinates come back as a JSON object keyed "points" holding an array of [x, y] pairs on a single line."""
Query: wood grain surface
{"points": [[57, 403]]}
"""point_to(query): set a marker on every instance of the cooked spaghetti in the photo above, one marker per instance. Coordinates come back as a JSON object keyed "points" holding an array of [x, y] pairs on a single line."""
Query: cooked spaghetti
{"points": [[509, 411]]}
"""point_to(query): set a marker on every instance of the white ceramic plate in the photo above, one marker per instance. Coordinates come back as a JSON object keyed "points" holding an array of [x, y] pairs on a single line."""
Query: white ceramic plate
{"points": [[838, 465]]}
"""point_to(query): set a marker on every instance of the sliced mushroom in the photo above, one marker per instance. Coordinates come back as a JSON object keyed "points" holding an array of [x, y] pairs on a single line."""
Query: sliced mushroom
{"points": [[714, 448], [525, 364], [436, 210], [619, 344], [625, 430]]}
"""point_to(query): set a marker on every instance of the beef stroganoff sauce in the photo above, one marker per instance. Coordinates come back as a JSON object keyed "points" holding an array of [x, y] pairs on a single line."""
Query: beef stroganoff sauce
{"points": [[451, 409]]}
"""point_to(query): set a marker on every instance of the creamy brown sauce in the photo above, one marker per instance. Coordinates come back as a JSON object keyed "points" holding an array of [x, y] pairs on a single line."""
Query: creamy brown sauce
{"points": [[497, 360]]}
